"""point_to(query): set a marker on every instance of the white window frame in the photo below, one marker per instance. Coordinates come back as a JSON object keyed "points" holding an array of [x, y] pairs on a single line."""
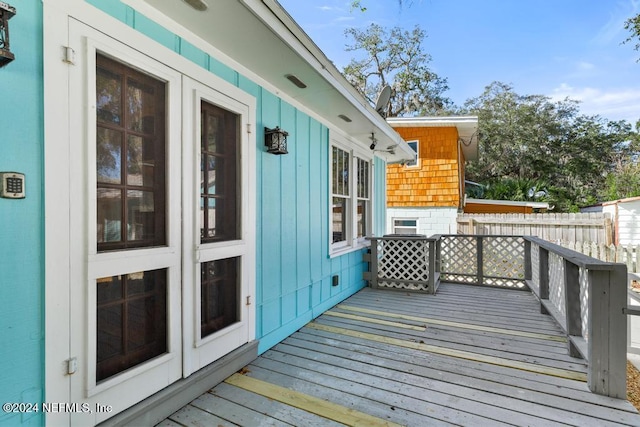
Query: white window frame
{"points": [[416, 163], [395, 227], [352, 241]]}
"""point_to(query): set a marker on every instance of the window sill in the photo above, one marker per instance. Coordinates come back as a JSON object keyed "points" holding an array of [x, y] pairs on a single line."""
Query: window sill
{"points": [[348, 249]]}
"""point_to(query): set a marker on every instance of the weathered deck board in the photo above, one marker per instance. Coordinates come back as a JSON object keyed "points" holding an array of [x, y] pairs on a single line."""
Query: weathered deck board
{"points": [[402, 358]]}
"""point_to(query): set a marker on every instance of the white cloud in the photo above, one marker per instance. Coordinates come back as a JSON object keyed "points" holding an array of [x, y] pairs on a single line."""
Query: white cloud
{"points": [[613, 30], [612, 104], [585, 66]]}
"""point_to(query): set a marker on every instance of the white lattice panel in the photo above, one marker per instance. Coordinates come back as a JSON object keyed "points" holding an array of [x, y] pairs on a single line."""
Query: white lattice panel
{"points": [[535, 264], [403, 260], [556, 282], [503, 257], [459, 258], [584, 301]]}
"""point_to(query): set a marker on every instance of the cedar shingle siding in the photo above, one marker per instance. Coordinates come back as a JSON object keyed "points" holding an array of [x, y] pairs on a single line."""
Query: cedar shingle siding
{"points": [[437, 180]]}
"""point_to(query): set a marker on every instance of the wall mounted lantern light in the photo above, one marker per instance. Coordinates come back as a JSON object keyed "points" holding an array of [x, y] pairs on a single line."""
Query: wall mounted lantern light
{"points": [[6, 13], [275, 140]]}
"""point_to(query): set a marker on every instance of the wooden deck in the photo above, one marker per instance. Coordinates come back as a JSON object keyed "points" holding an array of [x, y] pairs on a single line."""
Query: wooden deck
{"points": [[466, 356]]}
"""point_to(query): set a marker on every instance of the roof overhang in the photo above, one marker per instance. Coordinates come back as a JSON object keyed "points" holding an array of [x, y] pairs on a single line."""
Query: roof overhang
{"points": [[467, 127], [260, 40]]}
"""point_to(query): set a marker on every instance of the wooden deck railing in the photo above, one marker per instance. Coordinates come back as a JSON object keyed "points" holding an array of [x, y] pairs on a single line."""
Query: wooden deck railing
{"points": [[586, 296]]}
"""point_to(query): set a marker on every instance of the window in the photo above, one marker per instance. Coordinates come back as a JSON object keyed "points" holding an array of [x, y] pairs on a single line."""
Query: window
{"points": [[363, 198], [350, 198], [415, 147], [130, 155], [340, 200], [405, 226]]}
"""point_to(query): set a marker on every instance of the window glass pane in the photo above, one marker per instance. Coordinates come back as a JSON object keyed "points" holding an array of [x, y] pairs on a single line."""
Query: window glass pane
{"points": [[135, 146], [414, 147], [109, 155], [219, 174], [139, 161], [109, 215], [363, 179], [362, 217], [140, 215], [219, 295], [131, 323], [339, 219], [340, 172]]}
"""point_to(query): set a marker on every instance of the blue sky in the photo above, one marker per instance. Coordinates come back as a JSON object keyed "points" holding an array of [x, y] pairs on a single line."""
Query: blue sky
{"points": [[556, 48]]}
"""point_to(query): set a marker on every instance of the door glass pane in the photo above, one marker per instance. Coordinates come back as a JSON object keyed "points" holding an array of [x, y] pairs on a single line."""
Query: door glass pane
{"points": [[219, 174], [108, 96], [219, 295], [140, 161], [109, 156], [133, 145], [140, 215], [109, 215], [131, 320], [139, 105]]}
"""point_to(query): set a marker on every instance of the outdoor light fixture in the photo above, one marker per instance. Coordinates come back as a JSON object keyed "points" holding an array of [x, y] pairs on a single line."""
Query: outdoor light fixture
{"points": [[6, 13], [275, 140]]}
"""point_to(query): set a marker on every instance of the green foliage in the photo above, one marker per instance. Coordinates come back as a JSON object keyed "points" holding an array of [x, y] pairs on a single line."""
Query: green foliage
{"points": [[623, 182], [633, 26], [531, 139], [395, 58]]}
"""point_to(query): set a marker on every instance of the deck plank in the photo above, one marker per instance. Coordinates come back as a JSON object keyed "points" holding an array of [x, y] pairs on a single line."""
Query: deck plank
{"points": [[400, 358]]}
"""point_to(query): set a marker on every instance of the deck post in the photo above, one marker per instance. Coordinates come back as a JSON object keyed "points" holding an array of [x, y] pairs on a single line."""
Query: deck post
{"points": [[607, 341], [432, 266], [374, 264], [572, 304], [543, 277], [480, 261]]}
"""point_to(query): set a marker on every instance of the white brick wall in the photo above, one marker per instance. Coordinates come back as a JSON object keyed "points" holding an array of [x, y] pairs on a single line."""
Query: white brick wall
{"points": [[433, 220]]}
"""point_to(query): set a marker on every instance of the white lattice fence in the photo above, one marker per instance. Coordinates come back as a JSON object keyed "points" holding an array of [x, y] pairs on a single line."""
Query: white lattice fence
{"points": [[459, 259], [556, 283], [486, 260], [403, 264], [503, 261]]}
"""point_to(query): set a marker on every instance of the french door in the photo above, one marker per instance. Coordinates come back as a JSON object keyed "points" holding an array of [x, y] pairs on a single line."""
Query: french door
{"points": [[161, 250], [218, 223]]}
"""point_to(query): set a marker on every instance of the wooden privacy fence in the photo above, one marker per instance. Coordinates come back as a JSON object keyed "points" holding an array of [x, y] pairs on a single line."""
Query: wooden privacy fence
{"points": [[625, 254], [554, 227]]}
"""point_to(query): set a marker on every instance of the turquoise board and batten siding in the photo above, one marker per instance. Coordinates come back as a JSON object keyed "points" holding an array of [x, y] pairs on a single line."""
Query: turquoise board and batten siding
{"points": [[294, 271], [21, 220]]}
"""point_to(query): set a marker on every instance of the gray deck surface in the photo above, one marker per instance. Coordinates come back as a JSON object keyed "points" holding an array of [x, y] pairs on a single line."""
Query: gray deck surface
{"points": [[511, 373]]}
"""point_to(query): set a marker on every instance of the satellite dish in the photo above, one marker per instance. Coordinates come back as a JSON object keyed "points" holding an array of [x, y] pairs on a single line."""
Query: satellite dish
{"points": [[383, 99]]}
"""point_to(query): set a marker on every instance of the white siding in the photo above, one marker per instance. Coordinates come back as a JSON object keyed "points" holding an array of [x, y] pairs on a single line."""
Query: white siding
{"points": [[627, 222], [432, 220]]}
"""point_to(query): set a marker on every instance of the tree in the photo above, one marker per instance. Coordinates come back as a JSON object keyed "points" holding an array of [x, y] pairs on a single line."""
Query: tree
{"points": [[633, 26], [357, 4], [529, 137], [396, 58]]}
